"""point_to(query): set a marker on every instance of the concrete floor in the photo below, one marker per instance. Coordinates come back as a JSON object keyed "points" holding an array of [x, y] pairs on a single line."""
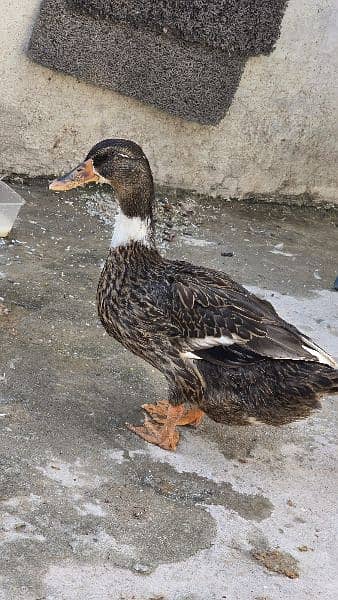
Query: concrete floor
{"points": [[91, 512]]}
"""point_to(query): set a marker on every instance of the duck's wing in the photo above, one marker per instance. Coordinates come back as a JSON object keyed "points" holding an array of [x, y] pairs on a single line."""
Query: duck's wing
{"points": [[221, 321]]}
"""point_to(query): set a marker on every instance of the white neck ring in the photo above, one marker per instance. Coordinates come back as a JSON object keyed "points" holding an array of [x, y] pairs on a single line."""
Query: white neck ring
{"points": [[130, 229]]}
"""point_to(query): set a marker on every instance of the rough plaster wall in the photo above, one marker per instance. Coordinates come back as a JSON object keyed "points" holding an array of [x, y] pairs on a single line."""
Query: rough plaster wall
{"points": [[279, 136]]}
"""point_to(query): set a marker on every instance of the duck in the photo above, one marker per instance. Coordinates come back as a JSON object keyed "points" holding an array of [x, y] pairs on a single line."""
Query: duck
{"points": [[223, 351]]}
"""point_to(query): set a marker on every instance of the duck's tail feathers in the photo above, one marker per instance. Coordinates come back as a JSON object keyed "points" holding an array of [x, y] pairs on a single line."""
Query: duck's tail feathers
{"points": [[270, 391]]}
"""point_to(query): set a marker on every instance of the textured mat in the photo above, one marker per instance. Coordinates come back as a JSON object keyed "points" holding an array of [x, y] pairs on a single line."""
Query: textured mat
{"points": [[246, 27], [188, 80]]}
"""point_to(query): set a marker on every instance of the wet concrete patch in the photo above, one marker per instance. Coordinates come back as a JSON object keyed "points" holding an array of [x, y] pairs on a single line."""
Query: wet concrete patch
{"points": [[191, 489], [68, 512]]}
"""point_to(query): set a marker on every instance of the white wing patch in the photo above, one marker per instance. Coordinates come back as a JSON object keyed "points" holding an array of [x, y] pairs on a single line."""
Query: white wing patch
{"points": [[224, 340], [190, 355], [318, 353], [210, 341], [207, 342]]}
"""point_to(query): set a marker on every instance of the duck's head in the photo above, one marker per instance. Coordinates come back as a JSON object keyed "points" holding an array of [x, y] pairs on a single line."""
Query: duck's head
{"points": [[121, 164]]}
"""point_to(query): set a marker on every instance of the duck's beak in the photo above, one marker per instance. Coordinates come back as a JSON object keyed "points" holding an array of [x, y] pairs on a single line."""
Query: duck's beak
{"points": [[81, 175]]}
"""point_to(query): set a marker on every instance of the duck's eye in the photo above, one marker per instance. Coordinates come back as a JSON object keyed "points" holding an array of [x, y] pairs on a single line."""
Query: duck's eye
{"points": [[99, 159]]}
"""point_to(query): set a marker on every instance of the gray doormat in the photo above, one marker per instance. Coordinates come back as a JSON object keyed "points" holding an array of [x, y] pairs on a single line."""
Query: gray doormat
{"points": [[187, 80], [148, 53]]}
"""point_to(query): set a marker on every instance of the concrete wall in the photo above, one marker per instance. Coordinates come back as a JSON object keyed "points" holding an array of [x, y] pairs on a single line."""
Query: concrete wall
{"points": [[279, 137]]}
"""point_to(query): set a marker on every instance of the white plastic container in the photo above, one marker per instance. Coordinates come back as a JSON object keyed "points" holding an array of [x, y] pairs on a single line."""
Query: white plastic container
{"points": [[10, 204]]}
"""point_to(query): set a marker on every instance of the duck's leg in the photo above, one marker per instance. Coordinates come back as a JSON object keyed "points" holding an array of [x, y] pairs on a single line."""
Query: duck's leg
{"points": [[159, 411], [165, 435]]}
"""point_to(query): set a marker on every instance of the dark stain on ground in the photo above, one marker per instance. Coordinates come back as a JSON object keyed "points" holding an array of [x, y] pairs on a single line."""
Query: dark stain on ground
{"points": [[148, 513], [191, 489], [134, 527]]}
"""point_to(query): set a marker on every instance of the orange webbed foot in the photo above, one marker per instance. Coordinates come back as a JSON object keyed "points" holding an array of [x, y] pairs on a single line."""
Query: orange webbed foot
{"points": [[159, 413], [162, 436]]}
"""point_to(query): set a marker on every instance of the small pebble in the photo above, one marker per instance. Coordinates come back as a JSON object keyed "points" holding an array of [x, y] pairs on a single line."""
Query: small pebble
{"points": [[304, 548], [143, 569]]}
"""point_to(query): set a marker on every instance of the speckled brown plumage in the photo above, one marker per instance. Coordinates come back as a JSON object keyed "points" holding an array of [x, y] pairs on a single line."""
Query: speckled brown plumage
{"points": [[221, 348], [141, 303]]}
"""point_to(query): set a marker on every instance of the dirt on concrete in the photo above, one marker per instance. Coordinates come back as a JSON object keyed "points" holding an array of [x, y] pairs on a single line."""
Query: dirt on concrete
{"points": [[91, 512], [278, 562]]}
